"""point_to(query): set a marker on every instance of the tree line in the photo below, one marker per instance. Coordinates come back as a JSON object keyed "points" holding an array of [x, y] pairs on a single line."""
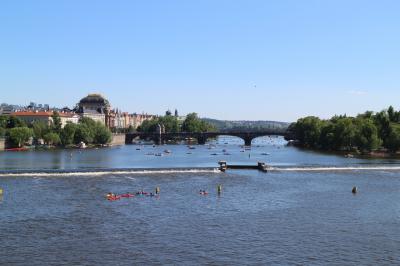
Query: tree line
{"points": [[364, 133], [17, 132], [192, 123]]}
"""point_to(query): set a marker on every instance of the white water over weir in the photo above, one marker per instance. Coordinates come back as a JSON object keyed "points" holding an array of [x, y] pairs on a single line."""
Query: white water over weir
{"points": [[149, 171], [334, 168]]}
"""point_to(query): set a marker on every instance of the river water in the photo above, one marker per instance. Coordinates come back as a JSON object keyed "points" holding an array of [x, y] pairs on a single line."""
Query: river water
{"points": [[302, 212]]}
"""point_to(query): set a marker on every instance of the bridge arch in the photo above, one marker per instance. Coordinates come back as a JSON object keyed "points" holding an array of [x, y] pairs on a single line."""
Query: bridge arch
{"points": [[222, 135]]}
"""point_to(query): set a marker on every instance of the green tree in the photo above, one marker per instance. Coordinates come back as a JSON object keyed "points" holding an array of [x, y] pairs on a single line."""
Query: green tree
{"points": [[56, 123], [392, 114], [13, 121], [308, 131], [148, 126], [83, 133], [367, 138], [131, 129], [344, 132], [3, 121], [19, 135], [193, 123], [102, 135], [382, 123], [327, 137], [67, 134], [51, 138], [40, 128], [170, 123], [392, 143], [87, 121]]}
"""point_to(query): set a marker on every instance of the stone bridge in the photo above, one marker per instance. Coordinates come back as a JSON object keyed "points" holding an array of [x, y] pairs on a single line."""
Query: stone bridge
{"points": [[203, 136]]}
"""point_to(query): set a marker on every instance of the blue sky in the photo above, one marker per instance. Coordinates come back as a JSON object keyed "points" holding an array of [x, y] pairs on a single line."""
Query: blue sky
{"points": [[256, 60]]}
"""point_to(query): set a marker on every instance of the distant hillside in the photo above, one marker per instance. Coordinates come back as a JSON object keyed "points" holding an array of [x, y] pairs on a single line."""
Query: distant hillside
{"points": [[244, 125]]}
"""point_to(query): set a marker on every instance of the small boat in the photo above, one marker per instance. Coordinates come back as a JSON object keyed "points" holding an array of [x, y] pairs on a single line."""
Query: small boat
{"points": [[167, 151], [191, 148], [214, 153], [158, 154], [265, 153]]}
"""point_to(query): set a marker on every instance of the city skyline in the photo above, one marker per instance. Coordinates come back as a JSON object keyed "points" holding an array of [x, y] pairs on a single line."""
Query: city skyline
{"points": [[236, 61]]}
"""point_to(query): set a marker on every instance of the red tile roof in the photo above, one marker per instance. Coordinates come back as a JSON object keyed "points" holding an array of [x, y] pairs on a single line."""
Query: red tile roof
{"points": [[40, 113]]}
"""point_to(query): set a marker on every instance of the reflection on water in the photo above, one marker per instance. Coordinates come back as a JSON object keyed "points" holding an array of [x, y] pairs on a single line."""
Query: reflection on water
{"points": [[272, 150]]}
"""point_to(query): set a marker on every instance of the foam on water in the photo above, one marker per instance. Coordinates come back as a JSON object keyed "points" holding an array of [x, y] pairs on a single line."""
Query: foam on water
{"points": [[103, 172], [335, 168]]}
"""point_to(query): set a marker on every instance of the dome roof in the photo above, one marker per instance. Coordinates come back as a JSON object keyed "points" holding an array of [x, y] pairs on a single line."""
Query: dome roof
{"points": [[94, 99]]}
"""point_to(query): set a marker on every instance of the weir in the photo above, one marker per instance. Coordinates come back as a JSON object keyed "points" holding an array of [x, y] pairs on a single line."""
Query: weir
{"points": [[261, 166]]}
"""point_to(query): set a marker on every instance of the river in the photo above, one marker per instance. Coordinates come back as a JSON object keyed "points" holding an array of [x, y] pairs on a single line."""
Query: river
{"points": [[53, 210]]}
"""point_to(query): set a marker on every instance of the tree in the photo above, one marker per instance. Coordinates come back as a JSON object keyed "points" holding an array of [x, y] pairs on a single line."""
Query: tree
{"points": [[83, 133], [344, 132], [392, 143], [366, 138], [327, 137], [170, 123], [40, 128], [102, 134], [148, 126], [168, 113], [131, 129], [308, 131], [51, 138], [3, 121], [382, 123], [193, 123], [87, 121], [176, 113], [56, 124], [391, 114], [67, 134], [14, 121], [20, 135]]}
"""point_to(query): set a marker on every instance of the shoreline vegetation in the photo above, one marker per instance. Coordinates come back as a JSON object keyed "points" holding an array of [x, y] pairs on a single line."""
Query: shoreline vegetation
{"points": [[368, 134], [87, 133]]}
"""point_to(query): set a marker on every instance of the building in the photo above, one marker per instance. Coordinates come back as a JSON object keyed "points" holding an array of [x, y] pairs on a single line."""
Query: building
{"points": [[96, 107], [45, 116]]}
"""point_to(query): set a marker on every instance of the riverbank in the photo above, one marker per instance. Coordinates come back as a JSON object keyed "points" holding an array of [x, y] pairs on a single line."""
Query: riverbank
{"points": [[351, 154]]}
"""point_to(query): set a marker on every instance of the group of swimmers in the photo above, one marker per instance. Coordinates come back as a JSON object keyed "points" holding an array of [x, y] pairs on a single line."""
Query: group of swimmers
{"points": [[111, 196]]}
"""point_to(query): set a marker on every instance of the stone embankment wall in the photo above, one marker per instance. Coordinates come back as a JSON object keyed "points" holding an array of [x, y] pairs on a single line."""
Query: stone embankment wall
{"points": [[118, 139]]}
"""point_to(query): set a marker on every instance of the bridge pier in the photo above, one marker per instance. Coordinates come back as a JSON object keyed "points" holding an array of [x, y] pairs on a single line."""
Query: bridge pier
{"points": [[247, 141], [201, 140]]}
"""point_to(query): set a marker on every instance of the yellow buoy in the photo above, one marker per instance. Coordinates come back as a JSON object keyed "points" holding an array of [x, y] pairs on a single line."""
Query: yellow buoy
{"points": [[1, 191]]}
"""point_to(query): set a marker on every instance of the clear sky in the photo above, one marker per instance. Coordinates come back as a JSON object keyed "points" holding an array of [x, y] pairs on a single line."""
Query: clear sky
{"points": [[256, 60]]}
